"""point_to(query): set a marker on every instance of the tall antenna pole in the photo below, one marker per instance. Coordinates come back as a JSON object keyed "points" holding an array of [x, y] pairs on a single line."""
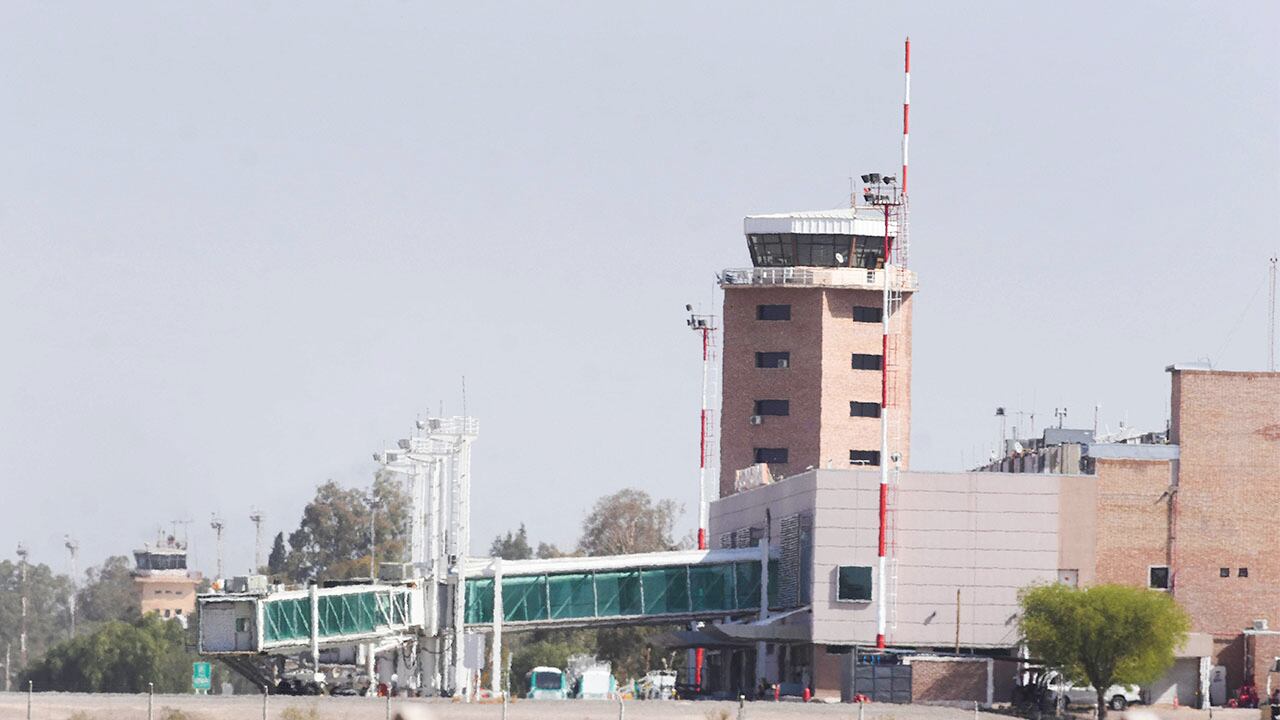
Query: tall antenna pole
{"points": [[906, 112], [256, 516], [217, 524], [73, 547], [1271, 321], [22, 578]]}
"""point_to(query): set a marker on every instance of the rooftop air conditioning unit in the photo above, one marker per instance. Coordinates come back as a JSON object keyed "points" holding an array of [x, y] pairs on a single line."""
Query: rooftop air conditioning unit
{"points": [[1260, 624], [757, 420], [784, 364]]}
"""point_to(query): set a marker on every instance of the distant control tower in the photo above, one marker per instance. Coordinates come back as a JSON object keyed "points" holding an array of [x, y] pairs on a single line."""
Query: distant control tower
{"points": [[815, 374]]}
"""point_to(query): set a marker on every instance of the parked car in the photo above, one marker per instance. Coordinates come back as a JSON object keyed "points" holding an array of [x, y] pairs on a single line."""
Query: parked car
{"points": [[1118, 697]]}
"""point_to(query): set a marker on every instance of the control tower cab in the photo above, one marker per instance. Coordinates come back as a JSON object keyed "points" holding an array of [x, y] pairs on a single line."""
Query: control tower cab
{"points": [[805, 347]]}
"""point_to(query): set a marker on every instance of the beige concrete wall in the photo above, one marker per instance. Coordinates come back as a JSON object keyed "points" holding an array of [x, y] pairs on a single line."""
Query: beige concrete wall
{"points": [[988, 534], [747, 509], [1078, 526]]}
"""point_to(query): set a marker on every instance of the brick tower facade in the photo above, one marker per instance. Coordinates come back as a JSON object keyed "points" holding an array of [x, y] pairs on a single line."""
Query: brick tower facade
{"points": [[803, 346]]}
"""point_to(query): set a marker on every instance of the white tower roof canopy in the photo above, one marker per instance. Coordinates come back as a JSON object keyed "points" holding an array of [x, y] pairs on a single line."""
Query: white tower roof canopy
{"points": [[843, 221]]}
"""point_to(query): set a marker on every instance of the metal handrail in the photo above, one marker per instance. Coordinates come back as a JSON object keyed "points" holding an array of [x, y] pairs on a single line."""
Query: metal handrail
{"points": [[818, 277]]}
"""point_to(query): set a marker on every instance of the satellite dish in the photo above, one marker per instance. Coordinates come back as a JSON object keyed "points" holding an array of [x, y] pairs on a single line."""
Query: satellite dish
{"points": [[840, 258], [1017, 447]]}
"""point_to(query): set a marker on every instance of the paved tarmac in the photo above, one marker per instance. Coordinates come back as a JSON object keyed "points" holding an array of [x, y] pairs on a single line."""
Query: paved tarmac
{"points": [[77, 706]]}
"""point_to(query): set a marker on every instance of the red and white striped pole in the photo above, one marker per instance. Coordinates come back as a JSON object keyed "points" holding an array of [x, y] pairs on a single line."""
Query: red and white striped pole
{"points": [[882, 569], [882, 578], [906, 112]]}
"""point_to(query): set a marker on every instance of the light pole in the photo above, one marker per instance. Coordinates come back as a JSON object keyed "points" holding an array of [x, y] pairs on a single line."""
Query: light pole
{"points": [[256, 517], [73, 548], [22, 578], [217, 524]]}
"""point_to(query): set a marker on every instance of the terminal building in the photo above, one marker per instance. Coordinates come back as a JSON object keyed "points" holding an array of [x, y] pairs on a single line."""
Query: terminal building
{"points": [[1184, 511]]}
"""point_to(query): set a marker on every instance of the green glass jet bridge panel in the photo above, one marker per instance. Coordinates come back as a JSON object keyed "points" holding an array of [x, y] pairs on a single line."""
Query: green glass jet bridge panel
{"points": [[641, 594], [340, 613]]}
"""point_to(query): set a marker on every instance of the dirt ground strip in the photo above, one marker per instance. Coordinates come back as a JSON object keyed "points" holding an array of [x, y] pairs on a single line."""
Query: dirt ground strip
{"points": [[69, 706]]}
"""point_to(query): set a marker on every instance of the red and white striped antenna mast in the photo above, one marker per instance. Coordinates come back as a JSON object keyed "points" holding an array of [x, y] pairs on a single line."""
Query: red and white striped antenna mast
{"points": [[896, 203], [906, 111]]}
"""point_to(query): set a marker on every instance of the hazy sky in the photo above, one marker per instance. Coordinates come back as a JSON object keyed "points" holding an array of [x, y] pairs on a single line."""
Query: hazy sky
{"points": [[243, 245]]}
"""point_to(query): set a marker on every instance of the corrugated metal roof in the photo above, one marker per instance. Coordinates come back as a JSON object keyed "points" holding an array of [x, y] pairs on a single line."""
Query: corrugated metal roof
{"points": [[841, 221]]}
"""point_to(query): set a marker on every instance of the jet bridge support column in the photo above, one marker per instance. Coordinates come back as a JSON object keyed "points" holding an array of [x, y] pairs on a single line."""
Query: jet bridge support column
{"points": [[764, 591], [315, 630], [495, 652]]}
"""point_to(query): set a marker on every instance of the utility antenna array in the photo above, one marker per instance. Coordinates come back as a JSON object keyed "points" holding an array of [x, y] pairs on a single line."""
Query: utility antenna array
{"points": [[256, 517], [218, 525], [705, 325], [73, 548]]}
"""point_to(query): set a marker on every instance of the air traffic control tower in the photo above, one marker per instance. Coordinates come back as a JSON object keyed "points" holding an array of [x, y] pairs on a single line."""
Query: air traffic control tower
{"points": [[812, 365]]}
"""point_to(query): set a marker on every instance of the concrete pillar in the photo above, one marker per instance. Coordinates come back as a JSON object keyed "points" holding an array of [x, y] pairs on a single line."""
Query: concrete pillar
{"points": [[495, 654], [315, 629]]}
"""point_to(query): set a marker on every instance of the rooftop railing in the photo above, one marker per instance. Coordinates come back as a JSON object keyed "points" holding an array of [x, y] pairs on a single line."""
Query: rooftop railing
{"points": [[901, 278]]}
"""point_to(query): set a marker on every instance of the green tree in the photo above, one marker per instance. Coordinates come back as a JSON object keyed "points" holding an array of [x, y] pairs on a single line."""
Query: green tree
{"points": [[276, 560], [515, 546], [333, 539], [629, 521], [119, 657], [1103, 635], [108, 594], [48, 609], [548, 550]]}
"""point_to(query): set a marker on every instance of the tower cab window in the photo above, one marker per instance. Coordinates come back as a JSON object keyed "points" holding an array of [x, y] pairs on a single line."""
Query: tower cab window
{"points": [[773, 312], [806, 250]]}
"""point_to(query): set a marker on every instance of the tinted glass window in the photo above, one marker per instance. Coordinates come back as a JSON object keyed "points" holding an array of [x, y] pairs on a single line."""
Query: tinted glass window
{"points": [[866, 314], [866, 362], [864, 457], [771, 455], [864, 409], [773, 312], [853, 582], [773, 407], [773, 359], [1158, 578]]}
